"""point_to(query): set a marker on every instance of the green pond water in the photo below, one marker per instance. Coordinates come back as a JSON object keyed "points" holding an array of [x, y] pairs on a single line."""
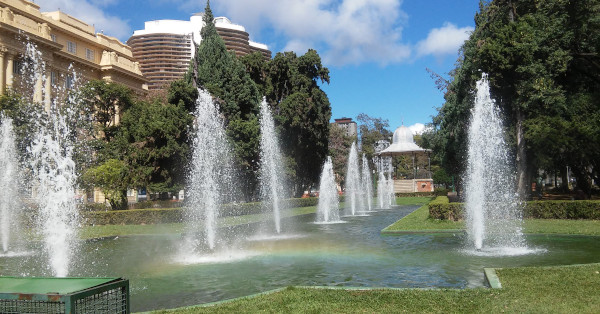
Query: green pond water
{"points": [[349, 254]]}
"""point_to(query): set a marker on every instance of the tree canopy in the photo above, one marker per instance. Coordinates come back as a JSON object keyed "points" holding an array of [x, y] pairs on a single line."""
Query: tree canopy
{"points": [[542, 62]]}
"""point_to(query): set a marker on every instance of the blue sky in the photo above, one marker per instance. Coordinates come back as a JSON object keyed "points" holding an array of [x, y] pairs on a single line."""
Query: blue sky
{"points": [[376, 50]]}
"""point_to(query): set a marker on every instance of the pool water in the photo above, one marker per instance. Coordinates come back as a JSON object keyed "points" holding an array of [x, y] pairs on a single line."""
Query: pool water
{"points": [[347, 254]]}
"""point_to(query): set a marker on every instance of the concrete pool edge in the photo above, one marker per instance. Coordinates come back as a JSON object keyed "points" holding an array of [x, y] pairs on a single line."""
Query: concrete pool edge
{"points": [[491, 278]]}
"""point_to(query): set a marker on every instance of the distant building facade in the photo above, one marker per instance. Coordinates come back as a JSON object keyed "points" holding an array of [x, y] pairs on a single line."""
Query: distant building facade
{"points": [[68, 47], [164, 48], [348, 125]]}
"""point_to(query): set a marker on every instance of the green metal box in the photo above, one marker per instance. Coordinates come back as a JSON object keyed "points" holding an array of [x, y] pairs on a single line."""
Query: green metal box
{"points": [[63, 295]]}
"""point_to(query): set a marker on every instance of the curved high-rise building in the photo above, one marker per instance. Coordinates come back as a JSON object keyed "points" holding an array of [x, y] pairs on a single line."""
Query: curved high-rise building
{"points": [[165, 47]]}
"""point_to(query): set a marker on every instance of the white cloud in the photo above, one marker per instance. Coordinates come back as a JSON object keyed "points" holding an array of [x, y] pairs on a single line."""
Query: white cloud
{"points": [[90, 13], [417, 128], [344, 32], [444, 40]]}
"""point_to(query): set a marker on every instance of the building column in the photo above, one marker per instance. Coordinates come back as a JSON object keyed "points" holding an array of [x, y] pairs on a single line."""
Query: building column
{"points": [[2, 72], [37, 89], [9, 70], [48, 91]]}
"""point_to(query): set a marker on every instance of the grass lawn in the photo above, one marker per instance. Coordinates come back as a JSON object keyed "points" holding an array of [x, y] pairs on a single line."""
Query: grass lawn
{"points": [[566, 289], [90, 232], [419, 221]]}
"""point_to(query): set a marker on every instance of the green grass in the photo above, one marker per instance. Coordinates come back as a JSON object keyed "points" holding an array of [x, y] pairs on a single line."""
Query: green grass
{"points": [[563, 289], [419, 221], [90, 232], [562, 226]]}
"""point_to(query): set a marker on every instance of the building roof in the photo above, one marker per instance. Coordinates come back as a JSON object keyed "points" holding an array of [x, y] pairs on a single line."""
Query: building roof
{"points": [[402, 144]]}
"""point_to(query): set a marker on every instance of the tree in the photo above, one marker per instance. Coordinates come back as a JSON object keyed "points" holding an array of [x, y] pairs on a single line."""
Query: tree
{"points": [[371, 131], [106, 101], [153, 144], [111, 178], [542, 62], [224, 76]]}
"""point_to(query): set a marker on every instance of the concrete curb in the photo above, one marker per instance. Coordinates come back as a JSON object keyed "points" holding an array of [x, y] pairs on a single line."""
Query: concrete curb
{"points": [[399, 232], [491, 278]]}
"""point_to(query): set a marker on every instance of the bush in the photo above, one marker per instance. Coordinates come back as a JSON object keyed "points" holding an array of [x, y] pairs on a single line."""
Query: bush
{"points": [[562, 210], [155, 204], [133, 216], [441, 208], [173, 215], [415, 194]]}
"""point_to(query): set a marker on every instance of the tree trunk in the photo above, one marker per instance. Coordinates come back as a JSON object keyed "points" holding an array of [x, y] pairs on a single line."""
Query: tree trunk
{"points": [[523, 181]]}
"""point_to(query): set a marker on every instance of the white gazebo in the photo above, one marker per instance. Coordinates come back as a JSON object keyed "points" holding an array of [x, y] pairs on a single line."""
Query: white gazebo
{"points": [[403, 144]]}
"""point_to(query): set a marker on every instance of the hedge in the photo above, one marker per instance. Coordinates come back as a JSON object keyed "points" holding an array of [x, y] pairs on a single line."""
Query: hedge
{"points": [[172, 215], [442, 209], [563, 210]]}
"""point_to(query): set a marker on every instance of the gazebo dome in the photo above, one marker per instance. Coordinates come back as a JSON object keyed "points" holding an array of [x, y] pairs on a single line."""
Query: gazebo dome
{"points": [[403, 135], [402, 143]]}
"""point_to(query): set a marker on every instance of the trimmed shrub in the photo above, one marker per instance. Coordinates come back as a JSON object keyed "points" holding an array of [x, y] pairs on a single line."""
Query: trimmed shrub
{"points": [[133, 216], [172, 215], [441, 208], [562, 210], [415, 194]]}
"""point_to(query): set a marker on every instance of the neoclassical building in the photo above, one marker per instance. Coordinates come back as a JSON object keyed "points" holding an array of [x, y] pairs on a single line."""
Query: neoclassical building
{"points": [[70, 49], [164, 48]]}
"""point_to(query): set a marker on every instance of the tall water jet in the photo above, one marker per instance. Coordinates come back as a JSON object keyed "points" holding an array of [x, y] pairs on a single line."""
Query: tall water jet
{"points": [[492, 206], [9, 182], [52, 167], [352, 182], [328, 210], [385, 190], [209, 175], [390, 190], [366, 184], [382, 197], [53, 170], [271, 165]]}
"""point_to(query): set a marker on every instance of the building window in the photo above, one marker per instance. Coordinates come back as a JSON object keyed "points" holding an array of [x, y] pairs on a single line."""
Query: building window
{"points": [[17, 67], [89, 54], [70, 81], [53, 78], [53, 37], [71, 47]]}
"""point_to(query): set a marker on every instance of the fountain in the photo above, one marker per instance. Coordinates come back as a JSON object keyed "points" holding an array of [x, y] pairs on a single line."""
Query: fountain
{"points": [[271, 166], [352, 182], [328, 210], [366, 184], [492, 206], [9, 183], [385, 191], [209, 177]]}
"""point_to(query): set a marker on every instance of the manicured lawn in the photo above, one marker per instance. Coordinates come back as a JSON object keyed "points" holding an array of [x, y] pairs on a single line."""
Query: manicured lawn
{"points": [[89, 232], [566, 289], [418, 221]]}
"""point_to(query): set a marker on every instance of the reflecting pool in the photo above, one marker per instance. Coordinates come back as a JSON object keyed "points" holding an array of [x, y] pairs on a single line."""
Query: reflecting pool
{"points": [[349, 254]]}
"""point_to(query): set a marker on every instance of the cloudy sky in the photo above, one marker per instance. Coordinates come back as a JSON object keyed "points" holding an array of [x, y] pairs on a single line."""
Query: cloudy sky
{"points": [[376, 50]]}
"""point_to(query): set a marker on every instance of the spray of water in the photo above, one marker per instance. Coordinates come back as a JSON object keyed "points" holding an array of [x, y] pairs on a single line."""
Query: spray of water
{"points": [[53, 173], [9, 182], [271, 166], [352, 182], [366, 184], [328, 207], [209, 177], [492, 206], [53, 166]]}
